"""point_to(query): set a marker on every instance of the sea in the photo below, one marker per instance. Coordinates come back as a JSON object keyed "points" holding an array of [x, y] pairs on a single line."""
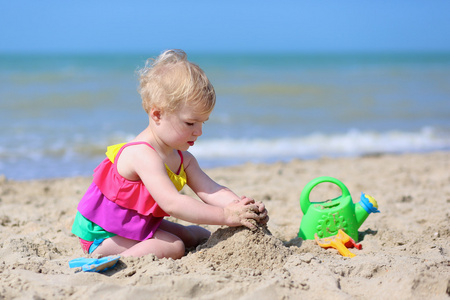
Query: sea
{"points": [[58, 113]]}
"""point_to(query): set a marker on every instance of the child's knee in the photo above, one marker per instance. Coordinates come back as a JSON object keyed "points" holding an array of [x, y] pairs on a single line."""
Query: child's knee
{"points": [[178, 249]]}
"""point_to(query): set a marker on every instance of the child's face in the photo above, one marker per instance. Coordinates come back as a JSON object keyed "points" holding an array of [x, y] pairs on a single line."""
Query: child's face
{"points": [[181, 128]]}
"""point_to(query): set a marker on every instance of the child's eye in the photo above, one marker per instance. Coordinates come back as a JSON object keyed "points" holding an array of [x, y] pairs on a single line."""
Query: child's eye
{"points": [[189, 124]]}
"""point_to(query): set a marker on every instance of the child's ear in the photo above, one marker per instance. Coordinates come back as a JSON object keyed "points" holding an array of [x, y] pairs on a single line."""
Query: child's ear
{"points": [[155, 114]]}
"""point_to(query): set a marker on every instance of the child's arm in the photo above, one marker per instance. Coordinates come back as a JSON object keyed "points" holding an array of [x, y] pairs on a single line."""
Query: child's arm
{"points": [[151, 170], [210, 191], [204, 187]]}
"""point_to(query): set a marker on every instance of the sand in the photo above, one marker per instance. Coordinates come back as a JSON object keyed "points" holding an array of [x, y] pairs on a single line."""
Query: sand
{"points": [[405, 249]]}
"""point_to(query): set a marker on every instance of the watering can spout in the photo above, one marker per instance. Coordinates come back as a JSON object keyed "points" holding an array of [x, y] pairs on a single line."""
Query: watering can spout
{"points": [[364, 207]]}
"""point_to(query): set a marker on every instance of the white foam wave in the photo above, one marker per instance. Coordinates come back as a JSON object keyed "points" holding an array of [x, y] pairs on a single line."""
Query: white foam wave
{"points": [[60, 159], [352, 143]]}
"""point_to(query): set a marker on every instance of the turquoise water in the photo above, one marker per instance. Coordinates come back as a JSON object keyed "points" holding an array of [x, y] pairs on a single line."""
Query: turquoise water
{"points": [[58, 113]]}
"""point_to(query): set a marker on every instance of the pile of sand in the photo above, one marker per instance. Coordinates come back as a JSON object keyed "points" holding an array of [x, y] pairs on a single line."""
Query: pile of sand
{"points": [[230, 249]]}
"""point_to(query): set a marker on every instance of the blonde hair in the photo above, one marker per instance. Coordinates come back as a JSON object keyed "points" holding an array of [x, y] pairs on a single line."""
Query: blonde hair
{"points": [[170, 81]]}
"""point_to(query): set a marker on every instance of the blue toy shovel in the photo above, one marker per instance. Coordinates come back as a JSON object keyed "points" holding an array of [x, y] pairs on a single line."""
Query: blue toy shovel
{"points": [[94, 264]]}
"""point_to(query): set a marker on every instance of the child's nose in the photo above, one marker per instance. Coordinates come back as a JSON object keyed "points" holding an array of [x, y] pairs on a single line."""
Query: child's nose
{"points": [[198, 130]]}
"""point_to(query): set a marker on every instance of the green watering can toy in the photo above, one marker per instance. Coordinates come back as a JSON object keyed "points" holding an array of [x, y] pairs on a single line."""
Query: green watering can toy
{"points": [[326, 218]]}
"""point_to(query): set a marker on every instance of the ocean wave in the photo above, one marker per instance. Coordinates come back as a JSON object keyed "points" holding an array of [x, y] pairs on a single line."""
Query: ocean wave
{"points": [[351, 143], [80, 156]]}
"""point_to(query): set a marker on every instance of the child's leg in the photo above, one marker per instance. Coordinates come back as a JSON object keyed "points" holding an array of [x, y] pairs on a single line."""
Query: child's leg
{"points": [[191, 235], [162, 244]]}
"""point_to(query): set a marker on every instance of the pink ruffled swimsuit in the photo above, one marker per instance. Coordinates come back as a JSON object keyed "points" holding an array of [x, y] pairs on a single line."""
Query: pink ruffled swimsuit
{"points": [[114, 205]]}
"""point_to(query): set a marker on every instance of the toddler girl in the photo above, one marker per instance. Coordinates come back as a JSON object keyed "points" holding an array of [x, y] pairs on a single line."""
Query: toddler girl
{"points": [[138, 183]]}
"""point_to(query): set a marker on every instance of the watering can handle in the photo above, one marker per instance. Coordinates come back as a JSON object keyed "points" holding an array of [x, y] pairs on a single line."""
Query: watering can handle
{"points": [[304, 196]]}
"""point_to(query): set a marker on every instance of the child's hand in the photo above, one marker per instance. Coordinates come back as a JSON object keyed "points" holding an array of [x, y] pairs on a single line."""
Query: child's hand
{"points": [[262, 211], [263, 214], [242, 212]]}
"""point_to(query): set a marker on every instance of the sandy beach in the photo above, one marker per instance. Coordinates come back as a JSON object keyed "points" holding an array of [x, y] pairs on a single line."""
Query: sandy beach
{"points": [[405, 249]]}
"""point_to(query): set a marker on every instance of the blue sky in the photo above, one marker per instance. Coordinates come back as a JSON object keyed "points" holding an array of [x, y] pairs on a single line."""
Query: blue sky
{"points": [[224, 26]]}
